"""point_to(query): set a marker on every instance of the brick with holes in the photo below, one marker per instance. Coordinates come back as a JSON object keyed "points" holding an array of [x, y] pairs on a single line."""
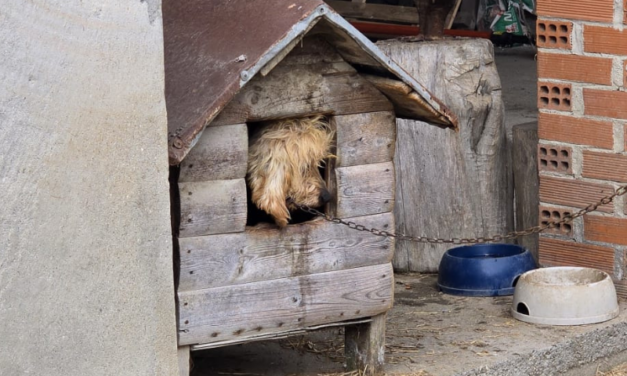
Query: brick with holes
{"points": [[554, 96], [555, 158], [554, 34], [552, 214]]}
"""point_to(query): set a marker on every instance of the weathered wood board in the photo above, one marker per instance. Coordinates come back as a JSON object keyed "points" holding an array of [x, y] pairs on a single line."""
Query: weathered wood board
{"points": [[364, 190], [451, 184], [221, 153], [365, 138], [311, 50], [526, 182], [345, 45], [375, 12], [231, 312], [212, 207], [270, 253], [184, 358], [407, 103], [364, 346], [301, 90]]}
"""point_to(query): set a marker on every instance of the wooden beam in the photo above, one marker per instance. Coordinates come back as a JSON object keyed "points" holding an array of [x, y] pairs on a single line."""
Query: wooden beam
{"points": [[375, 12], [221, 153], [345, 45], [382, 30], [526, 186], [184, 360], [281, 335], [212, 207], [407, 103], [312, 50], [301, 90], [365, 138], [281, 305], [364, 190], [450, 18], [364, 346], [271, 253]]}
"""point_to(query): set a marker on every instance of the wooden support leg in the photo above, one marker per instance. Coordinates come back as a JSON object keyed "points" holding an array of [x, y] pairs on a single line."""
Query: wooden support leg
{"points": [[184, 360], [432, 17], [364, 346], [526, 191]]}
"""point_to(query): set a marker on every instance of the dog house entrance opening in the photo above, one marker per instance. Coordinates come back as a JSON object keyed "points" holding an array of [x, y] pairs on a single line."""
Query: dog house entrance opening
{"points": [[288, 166]]}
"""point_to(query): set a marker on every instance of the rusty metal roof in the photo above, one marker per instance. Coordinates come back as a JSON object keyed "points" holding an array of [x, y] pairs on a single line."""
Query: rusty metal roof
{"points": [[214, 47]]}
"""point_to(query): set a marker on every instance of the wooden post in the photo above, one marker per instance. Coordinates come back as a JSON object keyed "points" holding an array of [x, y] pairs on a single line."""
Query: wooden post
{"points": [[451, 184], [184, 360], [525, 170], [365, 346], [432, 16]]}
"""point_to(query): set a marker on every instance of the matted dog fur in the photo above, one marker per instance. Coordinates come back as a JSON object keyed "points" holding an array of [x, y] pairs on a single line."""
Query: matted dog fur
{"points": [[284, 157]]}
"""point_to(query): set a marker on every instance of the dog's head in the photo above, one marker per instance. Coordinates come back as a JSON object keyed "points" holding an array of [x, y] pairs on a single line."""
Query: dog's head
{"points": [[283, 166]]}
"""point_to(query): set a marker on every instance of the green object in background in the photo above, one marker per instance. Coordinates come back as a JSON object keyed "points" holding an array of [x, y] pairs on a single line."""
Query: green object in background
{"points": [[506, 16], [529, 5]]}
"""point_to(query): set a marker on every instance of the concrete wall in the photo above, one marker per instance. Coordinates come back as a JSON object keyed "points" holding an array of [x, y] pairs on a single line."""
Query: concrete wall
{"points": [[582, 62], [85, 250]]}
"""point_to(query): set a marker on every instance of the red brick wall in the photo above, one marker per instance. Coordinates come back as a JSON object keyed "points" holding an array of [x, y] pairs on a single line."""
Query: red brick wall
{"points": [[582, 99]]}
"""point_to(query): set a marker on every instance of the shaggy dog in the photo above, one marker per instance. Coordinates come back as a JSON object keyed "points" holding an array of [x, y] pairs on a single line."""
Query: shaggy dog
{"points": [[284, 157]]}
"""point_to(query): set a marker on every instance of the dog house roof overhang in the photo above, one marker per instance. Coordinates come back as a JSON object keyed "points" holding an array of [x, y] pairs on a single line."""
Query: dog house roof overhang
{"points": [[213, 48]]}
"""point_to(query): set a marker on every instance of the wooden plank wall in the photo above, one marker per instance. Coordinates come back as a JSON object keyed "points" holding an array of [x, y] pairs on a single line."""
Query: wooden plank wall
{"points": [[365, 138], [363, 171], [212, 183], [220, 154], [239, 282], [300, 90], [270, 253], [252, 309]]}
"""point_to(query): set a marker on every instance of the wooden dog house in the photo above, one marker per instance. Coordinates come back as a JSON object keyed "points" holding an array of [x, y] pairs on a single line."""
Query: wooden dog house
{"points": [[230, 64]]}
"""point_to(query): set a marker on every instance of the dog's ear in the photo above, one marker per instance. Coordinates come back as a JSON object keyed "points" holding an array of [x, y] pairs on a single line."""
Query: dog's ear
{"points": [[268, 194]]}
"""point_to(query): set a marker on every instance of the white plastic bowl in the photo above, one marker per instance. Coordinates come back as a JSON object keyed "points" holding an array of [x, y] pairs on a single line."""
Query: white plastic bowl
{"points": [[565, 296]]}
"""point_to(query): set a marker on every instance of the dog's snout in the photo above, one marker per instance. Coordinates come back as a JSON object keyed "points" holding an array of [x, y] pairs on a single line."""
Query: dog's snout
{"points": [[325, 196]]}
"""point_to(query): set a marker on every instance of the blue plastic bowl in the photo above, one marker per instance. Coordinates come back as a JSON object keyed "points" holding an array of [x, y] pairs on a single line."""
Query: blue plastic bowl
{"points": [[483, 270]]}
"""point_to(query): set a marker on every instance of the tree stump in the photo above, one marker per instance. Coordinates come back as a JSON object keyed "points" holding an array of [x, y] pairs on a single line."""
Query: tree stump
{"points": [[451, 184]]}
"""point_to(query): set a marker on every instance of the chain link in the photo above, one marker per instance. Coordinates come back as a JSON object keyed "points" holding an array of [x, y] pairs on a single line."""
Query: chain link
{"points": [[496, 238]]}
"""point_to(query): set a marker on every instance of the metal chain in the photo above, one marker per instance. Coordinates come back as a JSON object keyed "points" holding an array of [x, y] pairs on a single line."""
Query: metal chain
{"points": [[496, 238]]}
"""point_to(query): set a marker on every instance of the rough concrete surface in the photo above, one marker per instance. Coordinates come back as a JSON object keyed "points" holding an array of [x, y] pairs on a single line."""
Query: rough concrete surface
{"points": [[85, 243]]}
